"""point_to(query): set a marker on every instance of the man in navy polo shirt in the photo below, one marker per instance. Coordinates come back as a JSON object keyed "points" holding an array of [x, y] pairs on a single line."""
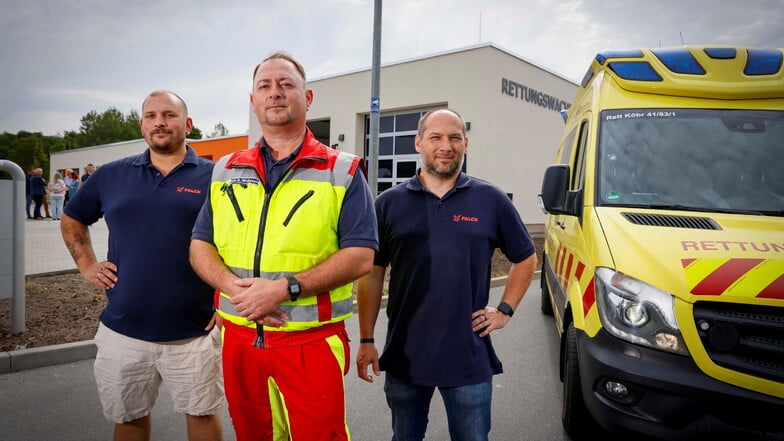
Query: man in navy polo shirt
{"points": [[158, 324], [438, 231]]}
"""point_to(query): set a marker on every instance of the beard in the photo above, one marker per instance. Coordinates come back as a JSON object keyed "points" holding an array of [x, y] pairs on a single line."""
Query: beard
{"points": [[166, 145], [444, 171]]}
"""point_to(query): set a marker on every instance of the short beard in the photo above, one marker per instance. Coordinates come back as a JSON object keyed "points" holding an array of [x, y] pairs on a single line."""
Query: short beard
{"points": [[445, 173], [172, 146]]}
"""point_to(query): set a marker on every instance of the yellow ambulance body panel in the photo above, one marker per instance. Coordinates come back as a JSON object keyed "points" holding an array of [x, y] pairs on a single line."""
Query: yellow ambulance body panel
{"points": [[664, 244]]}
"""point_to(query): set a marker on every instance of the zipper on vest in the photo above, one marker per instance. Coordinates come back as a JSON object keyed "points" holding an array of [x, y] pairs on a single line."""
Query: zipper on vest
{"points": [[296, 206], [228, 188]]}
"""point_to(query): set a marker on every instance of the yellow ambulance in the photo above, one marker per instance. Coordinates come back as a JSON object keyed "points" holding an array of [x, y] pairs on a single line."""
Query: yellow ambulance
{"points": [[664, 245]]}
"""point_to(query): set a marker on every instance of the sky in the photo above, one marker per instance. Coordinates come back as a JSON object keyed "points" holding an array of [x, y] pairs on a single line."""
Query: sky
{"points": [[61, 59]]}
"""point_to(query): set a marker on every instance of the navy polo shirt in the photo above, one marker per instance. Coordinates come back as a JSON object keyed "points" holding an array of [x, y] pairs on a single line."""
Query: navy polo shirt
{"points": [[158, 296], [440, 252]]}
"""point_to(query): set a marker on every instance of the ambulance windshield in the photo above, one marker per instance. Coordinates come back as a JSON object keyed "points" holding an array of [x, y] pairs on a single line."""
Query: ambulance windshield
{"points": [[704, 160]]}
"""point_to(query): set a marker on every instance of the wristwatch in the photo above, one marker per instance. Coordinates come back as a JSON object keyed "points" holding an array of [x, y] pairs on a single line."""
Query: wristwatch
{"points": [[295, 289], [505, 308]]}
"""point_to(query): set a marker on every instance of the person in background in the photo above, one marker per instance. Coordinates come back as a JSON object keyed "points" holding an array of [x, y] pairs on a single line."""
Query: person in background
{"points": [[158, 324], [67, 179], [28, 193], [88, 171], [57, 190], [438, 232], [287, 228], [38, 191], [46, 201], [74, 184]]}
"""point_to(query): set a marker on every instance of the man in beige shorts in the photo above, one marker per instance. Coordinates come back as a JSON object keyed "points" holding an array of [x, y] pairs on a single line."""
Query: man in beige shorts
{"points": [[158, 326]]}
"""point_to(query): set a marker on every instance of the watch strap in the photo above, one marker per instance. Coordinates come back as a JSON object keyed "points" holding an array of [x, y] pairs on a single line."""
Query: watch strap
{"points": [[295, 289], [505, 308]]}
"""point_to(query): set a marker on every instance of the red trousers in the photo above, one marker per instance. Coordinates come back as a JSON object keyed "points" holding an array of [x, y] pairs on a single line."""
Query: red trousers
{"points": [[291, 389]]}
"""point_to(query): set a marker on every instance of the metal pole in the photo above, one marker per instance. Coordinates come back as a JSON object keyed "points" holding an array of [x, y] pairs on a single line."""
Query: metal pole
{"points": [[375, 103], [16, 215]]}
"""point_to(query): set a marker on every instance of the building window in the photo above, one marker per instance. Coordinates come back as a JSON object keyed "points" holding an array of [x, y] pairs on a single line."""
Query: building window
{"points": [[398, 159]]}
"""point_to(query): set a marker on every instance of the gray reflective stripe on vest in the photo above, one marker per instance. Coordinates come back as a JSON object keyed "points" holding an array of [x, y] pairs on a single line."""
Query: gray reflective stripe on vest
{"points": [[341, 169], [343, 165], [244, 273], [298, 313]]}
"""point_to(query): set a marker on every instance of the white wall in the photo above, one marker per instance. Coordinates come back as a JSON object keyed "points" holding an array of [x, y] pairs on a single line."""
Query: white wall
{"points": [[96, 155], [511, 140]]}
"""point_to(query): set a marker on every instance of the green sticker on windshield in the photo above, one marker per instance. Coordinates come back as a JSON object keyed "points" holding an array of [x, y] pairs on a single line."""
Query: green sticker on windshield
{"points": [[613, 195]]}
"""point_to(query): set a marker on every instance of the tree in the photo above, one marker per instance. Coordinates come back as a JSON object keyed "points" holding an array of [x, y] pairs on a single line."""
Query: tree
{"points": [[107, 127], [29, 151], [195, 133], [32, 149], [219, 130]]}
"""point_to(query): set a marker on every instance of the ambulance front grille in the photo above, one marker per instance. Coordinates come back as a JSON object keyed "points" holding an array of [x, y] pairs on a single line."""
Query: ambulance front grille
{"points": [[662, 220], [744, 338]]}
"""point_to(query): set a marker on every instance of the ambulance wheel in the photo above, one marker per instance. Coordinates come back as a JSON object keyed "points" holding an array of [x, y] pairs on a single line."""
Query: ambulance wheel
{"points": [[546, 305], [576, 419]]}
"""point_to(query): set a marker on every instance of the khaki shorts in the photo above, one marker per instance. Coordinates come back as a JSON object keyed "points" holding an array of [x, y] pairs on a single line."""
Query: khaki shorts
{"points": [[129, 373]]}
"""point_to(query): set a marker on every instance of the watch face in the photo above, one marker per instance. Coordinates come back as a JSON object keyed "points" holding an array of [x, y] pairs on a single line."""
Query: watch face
{"points": [[294, 288]]}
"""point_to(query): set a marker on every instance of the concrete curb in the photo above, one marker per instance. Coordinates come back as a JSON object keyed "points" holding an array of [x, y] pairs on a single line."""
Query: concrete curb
{"points": [[22, 359]]}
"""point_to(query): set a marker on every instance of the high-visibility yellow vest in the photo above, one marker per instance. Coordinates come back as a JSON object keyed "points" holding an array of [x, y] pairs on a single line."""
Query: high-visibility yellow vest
{"points": [[288, 230]]}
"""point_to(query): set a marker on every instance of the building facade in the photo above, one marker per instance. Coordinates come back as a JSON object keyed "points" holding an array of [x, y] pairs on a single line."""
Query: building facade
{"points": [[511, 107]]}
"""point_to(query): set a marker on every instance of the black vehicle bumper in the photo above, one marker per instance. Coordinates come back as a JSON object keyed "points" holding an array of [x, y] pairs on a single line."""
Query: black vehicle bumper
{"points": [[670, 397]]}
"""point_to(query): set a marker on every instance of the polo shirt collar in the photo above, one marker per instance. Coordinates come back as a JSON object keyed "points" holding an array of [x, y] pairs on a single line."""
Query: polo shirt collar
{"points": [[267, 154], [144, 159], [415, 184]]}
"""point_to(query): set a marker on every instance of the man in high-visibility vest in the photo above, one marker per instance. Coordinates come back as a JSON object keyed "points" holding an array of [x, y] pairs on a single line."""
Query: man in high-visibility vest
{"points": [[286, 229]]}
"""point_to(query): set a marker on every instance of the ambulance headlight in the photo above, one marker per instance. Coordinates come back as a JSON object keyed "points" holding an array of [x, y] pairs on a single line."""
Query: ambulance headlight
{"points": [[637, 312]]}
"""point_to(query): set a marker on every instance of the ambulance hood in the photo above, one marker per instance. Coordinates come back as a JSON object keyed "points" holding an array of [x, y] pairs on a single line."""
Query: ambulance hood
{"points": [[697, 255]]}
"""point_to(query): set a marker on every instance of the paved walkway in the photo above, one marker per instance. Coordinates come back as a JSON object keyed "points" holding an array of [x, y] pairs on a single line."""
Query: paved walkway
{"points": [[45, 250]]}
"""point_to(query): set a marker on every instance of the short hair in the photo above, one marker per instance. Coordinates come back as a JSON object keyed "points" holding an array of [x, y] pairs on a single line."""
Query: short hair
{"points": [[423, 120], [165, 92], [282, 55]]}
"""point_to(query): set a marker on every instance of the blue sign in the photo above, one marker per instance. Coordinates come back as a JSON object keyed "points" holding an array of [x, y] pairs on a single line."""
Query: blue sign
{"points": [[375, 105]]}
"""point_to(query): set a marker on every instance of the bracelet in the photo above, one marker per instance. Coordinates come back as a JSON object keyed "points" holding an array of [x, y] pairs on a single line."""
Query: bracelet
{"points": [[367, 340]]}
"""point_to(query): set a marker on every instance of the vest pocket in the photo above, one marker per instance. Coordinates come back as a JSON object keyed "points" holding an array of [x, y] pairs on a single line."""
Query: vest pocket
{"points": [[229, 190], [296, 206]]}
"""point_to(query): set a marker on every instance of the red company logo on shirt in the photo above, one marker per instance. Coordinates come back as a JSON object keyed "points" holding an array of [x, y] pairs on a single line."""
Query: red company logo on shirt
{"points": [[188, 190], [462, 218]]}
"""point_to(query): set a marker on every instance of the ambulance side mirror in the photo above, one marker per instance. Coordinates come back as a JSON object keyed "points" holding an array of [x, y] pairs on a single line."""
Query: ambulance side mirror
{"points": [[555, 191]]}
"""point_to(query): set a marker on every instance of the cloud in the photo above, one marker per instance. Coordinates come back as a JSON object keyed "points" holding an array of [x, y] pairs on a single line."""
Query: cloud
{"points": [[63, 59]]}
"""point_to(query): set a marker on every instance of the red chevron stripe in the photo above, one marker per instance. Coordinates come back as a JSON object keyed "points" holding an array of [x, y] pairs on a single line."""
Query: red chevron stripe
{"points": [[579, 273], [589, 298], [773, 291], [561, 260], [568, 270], [724, 276]]}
